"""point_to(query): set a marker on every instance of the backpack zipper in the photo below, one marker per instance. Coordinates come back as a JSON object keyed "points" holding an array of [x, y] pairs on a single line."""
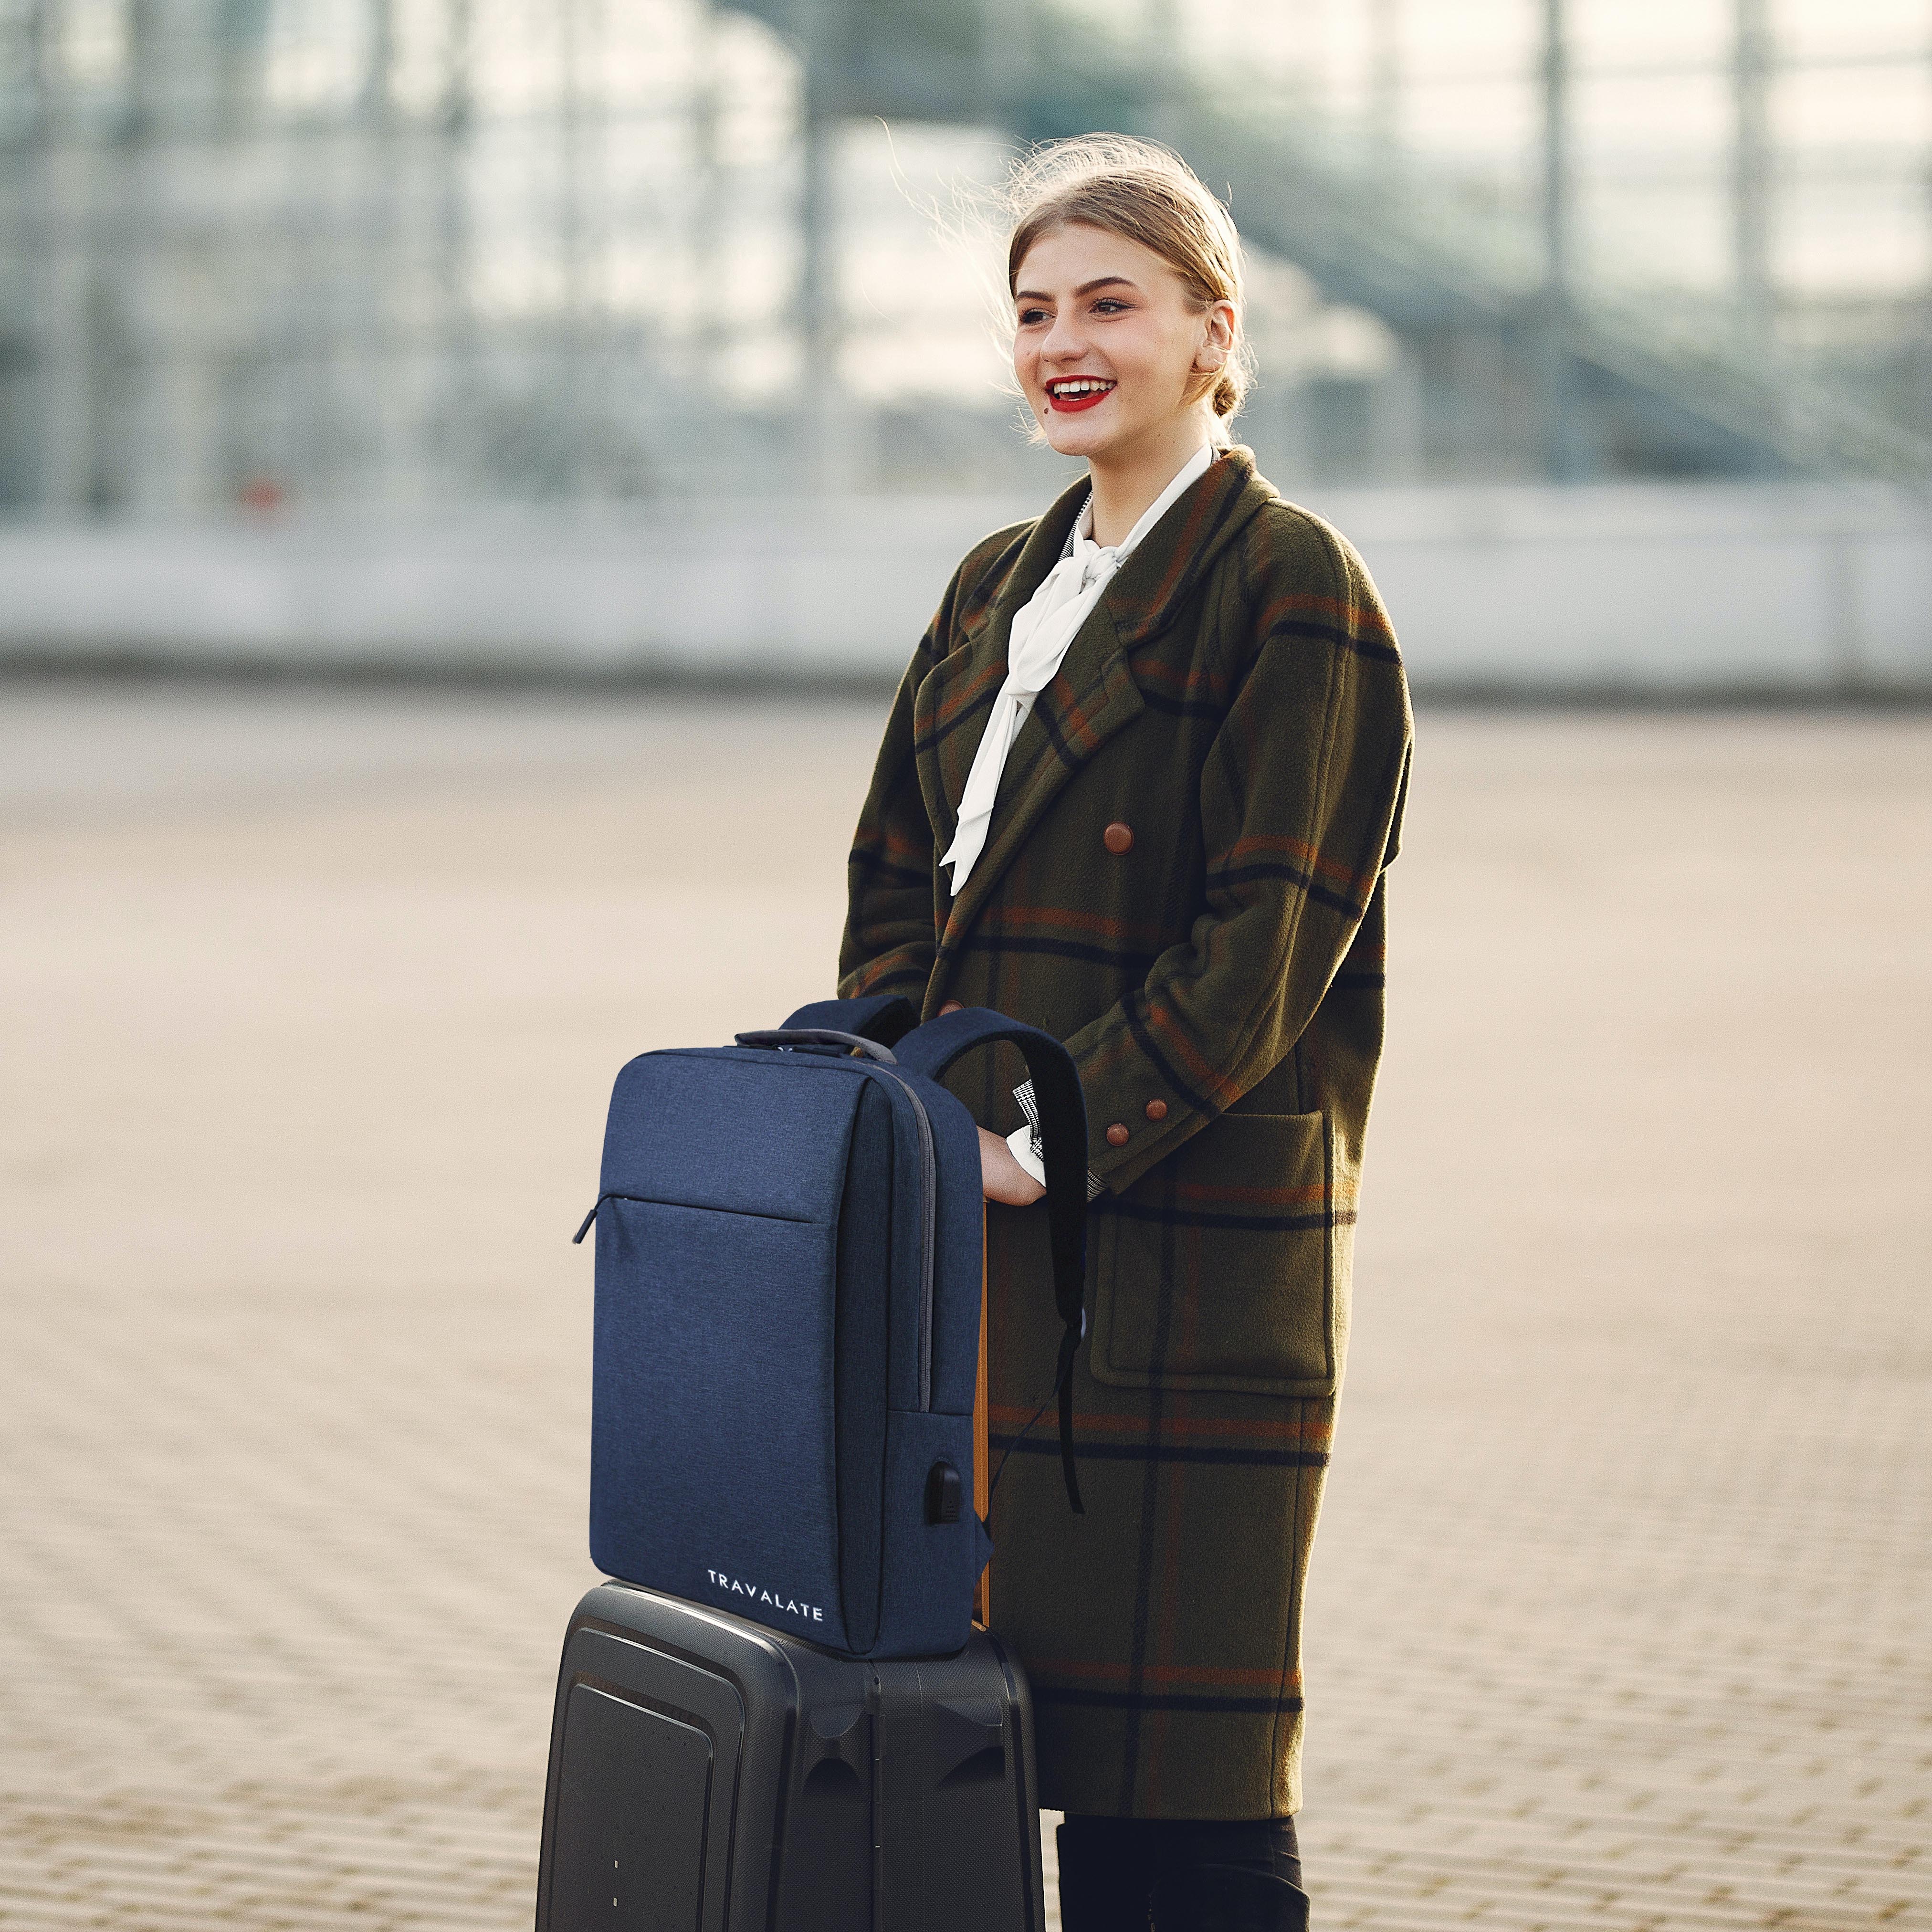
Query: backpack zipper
{"points": [[928, 1227]]}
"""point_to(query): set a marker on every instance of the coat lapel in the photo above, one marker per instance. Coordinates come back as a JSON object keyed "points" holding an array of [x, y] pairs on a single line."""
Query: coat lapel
{"points": [[1094, 694], [950, 707]]}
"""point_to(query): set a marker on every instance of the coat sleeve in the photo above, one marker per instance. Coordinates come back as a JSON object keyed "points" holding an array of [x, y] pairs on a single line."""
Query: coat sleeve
{"points": [[890, 940], [1300, 800], [892, 919]]}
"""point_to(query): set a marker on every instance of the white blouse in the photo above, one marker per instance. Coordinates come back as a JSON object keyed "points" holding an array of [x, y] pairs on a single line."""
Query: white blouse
{"points": [[1043, 629]]}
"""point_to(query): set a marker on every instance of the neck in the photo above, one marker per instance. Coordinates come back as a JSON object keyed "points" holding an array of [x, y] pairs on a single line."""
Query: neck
{"points": [[1126, 485]]}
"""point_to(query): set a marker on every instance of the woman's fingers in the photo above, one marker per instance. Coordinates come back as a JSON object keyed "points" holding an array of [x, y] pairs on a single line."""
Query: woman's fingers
{"points": [[1002, 1177]]}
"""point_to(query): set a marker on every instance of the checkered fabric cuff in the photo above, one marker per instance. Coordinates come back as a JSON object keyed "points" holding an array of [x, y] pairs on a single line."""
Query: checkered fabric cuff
{"points": [[1025, 1142]]}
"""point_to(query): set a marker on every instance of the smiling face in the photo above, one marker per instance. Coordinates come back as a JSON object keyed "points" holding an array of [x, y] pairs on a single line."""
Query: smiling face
{"points": [[1111, 351]]}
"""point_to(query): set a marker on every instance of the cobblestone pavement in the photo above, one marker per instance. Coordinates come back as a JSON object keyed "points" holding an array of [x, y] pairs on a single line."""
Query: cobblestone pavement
{"points": [[1620, 1616]]}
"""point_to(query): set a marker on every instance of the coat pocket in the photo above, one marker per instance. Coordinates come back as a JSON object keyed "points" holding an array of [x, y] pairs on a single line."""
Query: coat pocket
{"points": [[1225, 1267]]}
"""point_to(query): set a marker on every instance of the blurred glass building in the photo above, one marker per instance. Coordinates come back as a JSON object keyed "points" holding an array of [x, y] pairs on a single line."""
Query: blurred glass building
{"points": [[391, 253]]}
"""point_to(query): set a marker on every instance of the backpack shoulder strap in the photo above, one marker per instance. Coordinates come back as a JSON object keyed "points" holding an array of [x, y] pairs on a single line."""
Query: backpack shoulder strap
{"points": [[930, 1050]]}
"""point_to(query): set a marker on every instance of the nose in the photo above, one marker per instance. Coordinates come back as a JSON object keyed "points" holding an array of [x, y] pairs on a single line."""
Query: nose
{"points": [[1064, 342]]}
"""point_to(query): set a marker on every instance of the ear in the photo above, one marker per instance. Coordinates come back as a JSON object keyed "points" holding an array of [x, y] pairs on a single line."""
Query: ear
{"points": [[1217, 337]]}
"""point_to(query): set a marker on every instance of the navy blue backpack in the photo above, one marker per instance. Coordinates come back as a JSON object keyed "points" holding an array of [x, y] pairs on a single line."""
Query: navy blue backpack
{"points": [[788, 1321]]}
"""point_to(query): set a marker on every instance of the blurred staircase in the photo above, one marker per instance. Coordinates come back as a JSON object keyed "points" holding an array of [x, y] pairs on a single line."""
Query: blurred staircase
{"points": [[1637, 383]]}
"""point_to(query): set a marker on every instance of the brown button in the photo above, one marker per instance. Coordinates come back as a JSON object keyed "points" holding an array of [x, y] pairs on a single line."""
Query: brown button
{"points": [[1117, 1135], [1118, 837], [1156, 1110], [951, 1007]]}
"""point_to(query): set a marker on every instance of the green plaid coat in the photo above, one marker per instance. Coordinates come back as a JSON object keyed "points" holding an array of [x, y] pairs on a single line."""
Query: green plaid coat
{"points": [[1236, 702]]}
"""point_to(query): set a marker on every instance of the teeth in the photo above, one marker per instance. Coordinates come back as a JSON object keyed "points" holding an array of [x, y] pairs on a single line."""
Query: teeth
{"points": [[1081, 387]]}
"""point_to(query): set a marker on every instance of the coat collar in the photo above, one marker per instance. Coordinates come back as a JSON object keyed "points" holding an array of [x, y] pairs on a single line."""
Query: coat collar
{"points": [[1093, 696]]}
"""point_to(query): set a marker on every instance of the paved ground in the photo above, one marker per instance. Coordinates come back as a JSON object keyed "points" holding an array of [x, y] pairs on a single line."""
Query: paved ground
{"points": [[1622, 1615]]}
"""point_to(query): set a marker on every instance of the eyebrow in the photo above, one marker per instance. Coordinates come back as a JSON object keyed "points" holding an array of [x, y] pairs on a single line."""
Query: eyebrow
{"points": [[1084, 289]]}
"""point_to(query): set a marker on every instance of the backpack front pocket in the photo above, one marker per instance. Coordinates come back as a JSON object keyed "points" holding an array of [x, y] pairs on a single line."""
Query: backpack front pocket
{"points": [[1225, 1266], [712, 1450]]}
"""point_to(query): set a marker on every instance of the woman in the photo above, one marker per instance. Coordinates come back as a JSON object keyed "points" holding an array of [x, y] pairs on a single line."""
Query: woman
{"points": [[1139, 787]]}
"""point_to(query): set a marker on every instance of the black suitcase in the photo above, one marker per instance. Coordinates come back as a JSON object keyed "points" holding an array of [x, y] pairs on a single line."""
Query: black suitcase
{"points": [[709, 1774]]}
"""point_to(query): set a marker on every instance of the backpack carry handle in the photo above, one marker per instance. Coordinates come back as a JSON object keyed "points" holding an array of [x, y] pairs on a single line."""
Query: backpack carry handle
{"points": [[930, 1050], [884, 1017], [810, 1036]]}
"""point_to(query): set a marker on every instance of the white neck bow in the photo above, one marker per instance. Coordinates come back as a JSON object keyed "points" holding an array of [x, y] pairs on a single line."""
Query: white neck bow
{"points": [[1043, 629]]}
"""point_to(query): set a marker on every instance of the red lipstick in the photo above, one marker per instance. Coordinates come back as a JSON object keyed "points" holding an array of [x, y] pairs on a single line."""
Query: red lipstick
{"points": [[1064, 404]]}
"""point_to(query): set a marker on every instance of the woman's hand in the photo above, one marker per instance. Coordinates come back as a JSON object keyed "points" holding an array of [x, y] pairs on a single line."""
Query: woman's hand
{"points": [[1002, 1176]]}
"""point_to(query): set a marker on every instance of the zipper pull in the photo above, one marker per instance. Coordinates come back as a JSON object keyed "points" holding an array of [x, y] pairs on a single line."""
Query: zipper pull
{"points": [[577, 1237]]}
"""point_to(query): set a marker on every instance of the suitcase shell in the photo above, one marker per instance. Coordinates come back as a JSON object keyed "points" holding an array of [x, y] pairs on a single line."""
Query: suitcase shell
{"points": [[712, 1774]]}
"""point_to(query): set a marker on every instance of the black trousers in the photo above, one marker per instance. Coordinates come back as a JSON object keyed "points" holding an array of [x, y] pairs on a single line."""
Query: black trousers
{"points": [[1180, 1875]]}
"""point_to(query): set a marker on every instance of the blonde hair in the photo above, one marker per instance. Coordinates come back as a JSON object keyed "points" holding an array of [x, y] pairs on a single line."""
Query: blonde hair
{"points": [[1147, 193]]}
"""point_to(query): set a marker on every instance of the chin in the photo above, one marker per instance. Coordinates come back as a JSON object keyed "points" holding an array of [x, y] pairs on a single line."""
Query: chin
{"points": [[1074, 436], [1065, 442]]}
